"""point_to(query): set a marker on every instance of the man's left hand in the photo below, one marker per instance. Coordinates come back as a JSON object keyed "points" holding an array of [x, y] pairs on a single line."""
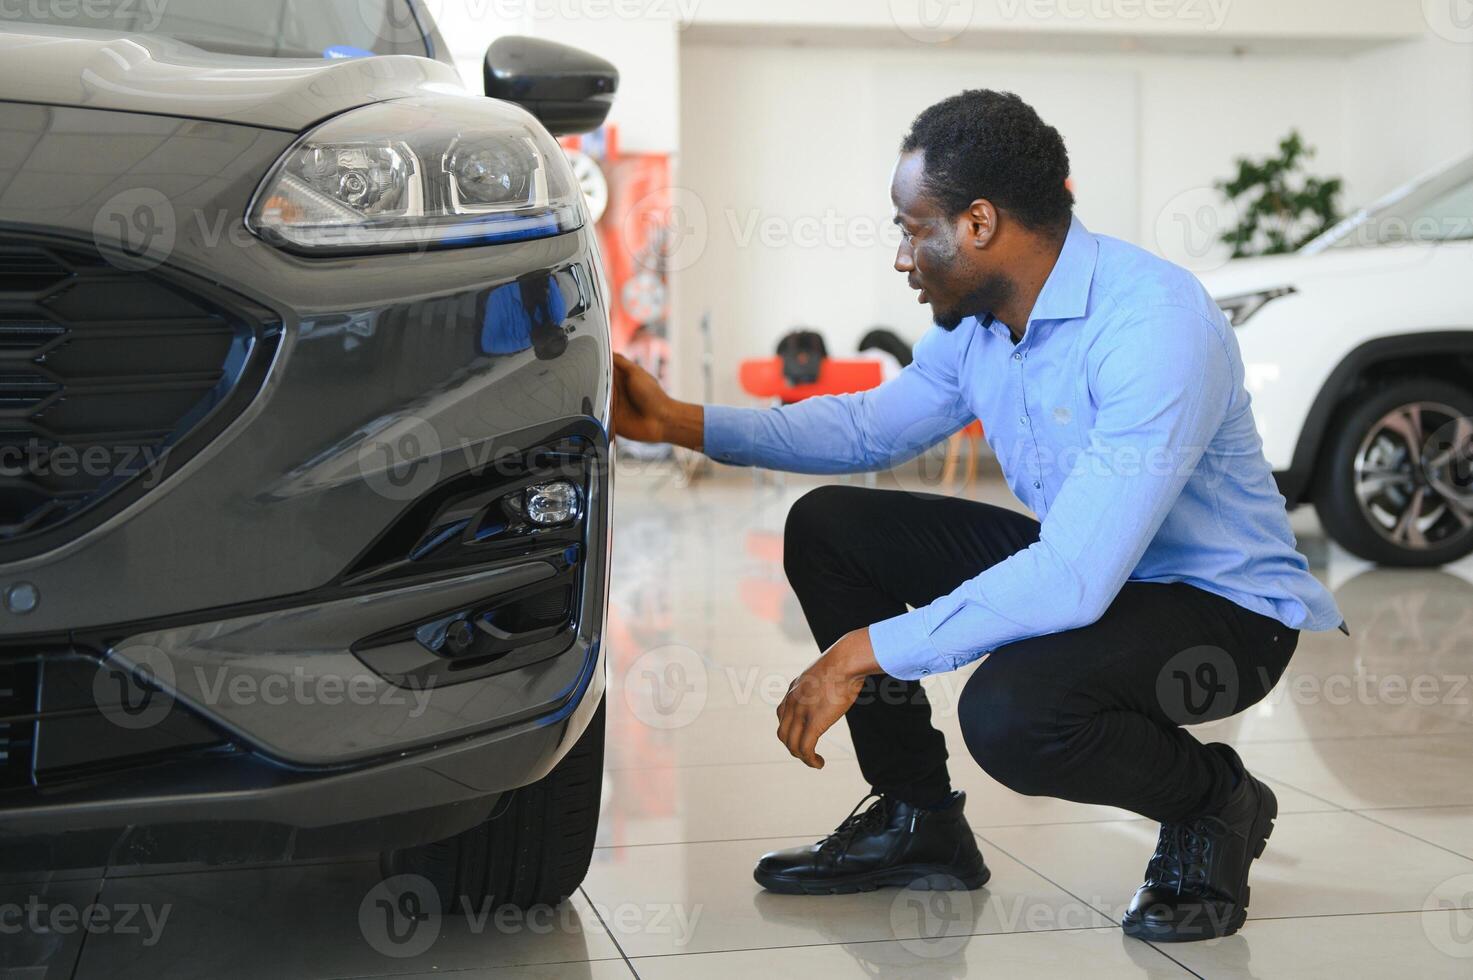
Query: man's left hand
{"points": [[823, 693]]}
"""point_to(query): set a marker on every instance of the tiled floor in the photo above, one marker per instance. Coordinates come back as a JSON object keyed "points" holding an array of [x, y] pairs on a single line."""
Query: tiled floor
{"points": [[1368, 743]]}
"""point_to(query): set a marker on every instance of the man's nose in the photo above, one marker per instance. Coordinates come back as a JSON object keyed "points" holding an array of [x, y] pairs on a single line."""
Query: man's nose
{"points": [[904, 259]]}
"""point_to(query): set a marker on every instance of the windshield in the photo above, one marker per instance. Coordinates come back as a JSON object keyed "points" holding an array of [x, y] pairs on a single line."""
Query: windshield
{"points": [[1437, 207], [269, 28]]}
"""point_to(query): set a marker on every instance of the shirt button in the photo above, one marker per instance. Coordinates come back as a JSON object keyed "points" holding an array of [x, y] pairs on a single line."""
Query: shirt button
{"points": [[925, 672], [1023, 421], [1017, 356], [1037, 485]]}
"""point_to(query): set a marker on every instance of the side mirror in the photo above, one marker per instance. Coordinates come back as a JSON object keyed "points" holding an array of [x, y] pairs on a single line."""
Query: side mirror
{"points": [[569, 90]]}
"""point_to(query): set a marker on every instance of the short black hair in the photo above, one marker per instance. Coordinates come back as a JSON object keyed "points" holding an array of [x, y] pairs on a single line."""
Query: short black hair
{"points": [[992, 145]]}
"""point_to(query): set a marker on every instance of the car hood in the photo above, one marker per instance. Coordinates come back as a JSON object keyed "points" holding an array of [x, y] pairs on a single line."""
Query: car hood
{"points": [[1270, 272], [143, 73]]}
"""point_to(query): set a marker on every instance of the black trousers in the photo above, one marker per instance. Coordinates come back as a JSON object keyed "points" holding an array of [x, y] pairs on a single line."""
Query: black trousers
{"points": [[1092, 715]]}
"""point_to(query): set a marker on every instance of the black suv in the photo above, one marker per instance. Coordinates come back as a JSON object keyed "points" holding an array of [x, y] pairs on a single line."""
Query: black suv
{"points": [[304, 419]]}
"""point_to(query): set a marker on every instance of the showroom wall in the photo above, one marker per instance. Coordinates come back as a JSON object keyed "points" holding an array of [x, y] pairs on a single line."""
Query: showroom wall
{"points": [[789, 151], [784, 115]]}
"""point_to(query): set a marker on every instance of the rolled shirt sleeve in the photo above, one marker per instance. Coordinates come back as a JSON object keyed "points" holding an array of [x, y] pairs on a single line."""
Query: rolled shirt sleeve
{"points": [[1163, 384]]}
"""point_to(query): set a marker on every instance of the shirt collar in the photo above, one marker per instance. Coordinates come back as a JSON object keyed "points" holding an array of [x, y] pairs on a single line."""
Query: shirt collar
{"points": [[1065, 296]]}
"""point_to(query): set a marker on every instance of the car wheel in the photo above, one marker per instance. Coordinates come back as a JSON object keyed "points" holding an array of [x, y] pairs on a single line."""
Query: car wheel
{"points": [[535, 847], [1396, 480]]}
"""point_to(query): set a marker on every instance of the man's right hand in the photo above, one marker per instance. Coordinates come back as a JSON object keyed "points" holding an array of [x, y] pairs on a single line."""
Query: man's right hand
{"points": [[644, 413], [639, 402]]}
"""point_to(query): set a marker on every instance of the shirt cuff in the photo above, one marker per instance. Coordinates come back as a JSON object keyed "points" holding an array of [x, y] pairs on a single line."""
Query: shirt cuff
{"points": [[903, 648], [728, 434]]}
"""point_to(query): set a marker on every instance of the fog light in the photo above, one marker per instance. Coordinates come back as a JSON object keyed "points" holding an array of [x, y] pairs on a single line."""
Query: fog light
{"points": [[552, 503]]}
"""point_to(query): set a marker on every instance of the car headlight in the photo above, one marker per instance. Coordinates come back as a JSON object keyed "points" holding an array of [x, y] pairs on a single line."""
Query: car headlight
{"points": [[1239, 309], [419, 173]]}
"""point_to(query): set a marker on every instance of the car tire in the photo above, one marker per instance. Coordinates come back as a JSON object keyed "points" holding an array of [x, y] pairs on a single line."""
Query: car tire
{"points": [[535, 848], [1368, 468]]}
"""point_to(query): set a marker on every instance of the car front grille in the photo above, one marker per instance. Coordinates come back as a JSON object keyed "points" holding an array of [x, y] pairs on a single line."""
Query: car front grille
{"points": [[62, 717], [106, 372]]}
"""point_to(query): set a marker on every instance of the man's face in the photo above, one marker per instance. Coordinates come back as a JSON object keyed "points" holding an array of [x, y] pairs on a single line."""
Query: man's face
{"points": [[944, 257]]}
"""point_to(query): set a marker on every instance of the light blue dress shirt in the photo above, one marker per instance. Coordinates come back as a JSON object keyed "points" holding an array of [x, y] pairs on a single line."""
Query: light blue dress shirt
{"points": [[1121, 420]]}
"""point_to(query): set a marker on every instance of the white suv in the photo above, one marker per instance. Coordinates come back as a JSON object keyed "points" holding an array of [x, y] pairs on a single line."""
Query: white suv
{"points": [[1359, 357]]}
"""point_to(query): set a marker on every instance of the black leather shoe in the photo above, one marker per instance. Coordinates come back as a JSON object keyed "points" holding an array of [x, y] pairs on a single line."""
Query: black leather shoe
{"points": [[891, 844], [1197, 881]]}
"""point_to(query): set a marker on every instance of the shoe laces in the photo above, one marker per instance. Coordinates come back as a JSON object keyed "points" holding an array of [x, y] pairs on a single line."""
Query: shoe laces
{"points": [[1184, 853], [871, 821]]}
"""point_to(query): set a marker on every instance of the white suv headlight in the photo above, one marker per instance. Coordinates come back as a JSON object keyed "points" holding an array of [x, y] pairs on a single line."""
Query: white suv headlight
{"points": [[1240, 309], [419, 173]]}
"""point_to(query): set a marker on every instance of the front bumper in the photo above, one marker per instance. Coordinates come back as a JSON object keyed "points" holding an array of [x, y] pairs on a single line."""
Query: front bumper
{"points": [[267, 590]]}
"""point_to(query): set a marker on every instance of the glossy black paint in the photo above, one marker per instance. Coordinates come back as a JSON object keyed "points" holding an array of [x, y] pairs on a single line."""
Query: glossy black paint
{"points": [[569, 90], [389, 377]]}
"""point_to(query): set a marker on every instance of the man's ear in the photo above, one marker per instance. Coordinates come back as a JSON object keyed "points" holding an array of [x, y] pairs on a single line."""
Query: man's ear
{"points": [[980, 223]]}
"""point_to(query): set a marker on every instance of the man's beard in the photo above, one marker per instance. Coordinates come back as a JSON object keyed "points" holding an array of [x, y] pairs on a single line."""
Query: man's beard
{"points": [[991, 293]]}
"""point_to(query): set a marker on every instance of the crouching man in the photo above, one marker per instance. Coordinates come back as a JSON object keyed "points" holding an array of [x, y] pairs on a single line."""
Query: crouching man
{"points": [[1159, 585]]}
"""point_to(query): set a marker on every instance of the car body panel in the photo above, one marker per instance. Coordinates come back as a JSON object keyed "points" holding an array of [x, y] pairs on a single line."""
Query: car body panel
{"points": [[284, 484], [140, 73], [391, 379], [1343, 299]]}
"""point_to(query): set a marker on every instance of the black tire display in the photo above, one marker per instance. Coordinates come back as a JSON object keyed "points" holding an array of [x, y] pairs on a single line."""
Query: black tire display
{"points": [[1395, 484], [535, 847]]}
